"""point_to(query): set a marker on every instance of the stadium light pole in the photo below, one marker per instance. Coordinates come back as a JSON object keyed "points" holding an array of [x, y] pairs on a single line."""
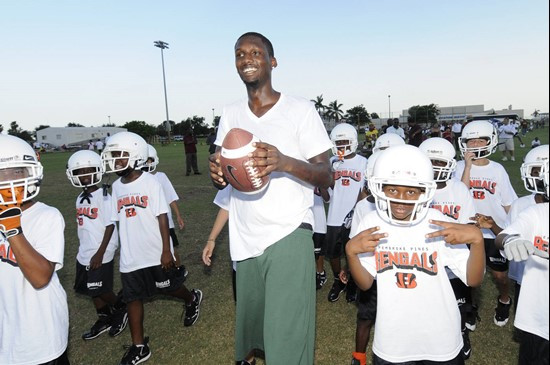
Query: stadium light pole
{"points": [[389, 106], [213, 118], [108, 116], [163, 45]]}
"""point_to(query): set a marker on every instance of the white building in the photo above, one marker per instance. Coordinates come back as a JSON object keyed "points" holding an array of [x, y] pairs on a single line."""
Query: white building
{"points": [[59, 136], [463, 112]]}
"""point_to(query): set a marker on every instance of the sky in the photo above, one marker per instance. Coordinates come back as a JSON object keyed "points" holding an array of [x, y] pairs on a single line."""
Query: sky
{"points": [[91, 62]]}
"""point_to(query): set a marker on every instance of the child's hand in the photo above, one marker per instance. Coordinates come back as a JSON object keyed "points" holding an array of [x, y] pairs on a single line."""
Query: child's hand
{"points": [[207, 252], [483, 221], [469, 158], [366, 241], [10, 220], [343, 276], [181, 223], [96, 261], [455, 233], [167, 260]]}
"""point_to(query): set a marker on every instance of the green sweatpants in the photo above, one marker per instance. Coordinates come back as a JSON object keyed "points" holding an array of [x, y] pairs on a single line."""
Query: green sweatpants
{"points": [[276, 302]]}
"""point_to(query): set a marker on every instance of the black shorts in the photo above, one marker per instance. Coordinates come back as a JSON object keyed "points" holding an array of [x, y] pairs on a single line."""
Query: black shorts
{"points": [[493, 258], [150, 281], [458, 360], [335, 240], [175, 242], [532, 349], [94, 283], [366, 303], [318, 239]]}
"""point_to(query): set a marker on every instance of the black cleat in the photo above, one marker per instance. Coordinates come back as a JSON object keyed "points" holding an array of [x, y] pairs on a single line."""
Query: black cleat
{"points": [[192, 310], [337, 288], [136, 354]]}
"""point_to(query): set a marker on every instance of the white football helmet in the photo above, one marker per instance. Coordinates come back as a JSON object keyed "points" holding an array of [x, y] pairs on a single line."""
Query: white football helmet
{"points": [[405, 166], [81, 160], [440, 150], [479, 129], [131, 147], [370, 164], [151, 154], [387, 140], [536, 158], [20, 171], [344, 132]]}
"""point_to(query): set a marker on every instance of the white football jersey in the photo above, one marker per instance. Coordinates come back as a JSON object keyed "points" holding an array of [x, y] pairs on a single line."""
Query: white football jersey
{"points": [[34, 324], [362, 208], [491, 189], [348, 182], [93, 215], [169, 193], [532, 312], [415, 297], [455, 202], [319, 215], [136, 207], [515, 269]]}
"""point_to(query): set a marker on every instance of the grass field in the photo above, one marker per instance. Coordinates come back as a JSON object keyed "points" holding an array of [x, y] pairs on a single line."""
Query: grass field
{"points": [[210, 341]]}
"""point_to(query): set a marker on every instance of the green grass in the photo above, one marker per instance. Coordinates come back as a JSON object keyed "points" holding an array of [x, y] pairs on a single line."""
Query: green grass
{"points": [[210, 341]]}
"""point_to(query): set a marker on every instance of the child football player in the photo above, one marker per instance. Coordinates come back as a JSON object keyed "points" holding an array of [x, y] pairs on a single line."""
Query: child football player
{"points": [[348, 168], [34, 317], [493, 194], [401, 247], [366, 299], [453, 199], [533, 181], [98, 239], [147, 263], [526, 239], [170, 195]]}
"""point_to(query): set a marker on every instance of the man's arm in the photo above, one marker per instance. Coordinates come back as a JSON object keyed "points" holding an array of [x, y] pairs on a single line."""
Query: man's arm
{"points": [[316, 171]]}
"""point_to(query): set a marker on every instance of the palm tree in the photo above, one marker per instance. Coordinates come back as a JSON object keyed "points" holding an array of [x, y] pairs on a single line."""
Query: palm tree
{"points": [[318, 102], [334, 110]]}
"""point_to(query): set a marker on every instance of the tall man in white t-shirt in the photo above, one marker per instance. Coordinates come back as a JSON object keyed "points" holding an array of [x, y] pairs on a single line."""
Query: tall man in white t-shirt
{"points": [[271, 232], [34, 318], [493, 194]]}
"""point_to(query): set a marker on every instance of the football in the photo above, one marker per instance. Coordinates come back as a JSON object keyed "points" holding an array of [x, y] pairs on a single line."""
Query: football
{"points": [[237, 166]]}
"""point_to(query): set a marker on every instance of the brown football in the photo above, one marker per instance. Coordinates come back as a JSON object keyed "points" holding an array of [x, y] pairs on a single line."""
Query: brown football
{"points": [[237, 166]]}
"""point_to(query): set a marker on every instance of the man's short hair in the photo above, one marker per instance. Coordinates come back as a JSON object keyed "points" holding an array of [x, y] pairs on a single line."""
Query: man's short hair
{"points": [[265, 41]]}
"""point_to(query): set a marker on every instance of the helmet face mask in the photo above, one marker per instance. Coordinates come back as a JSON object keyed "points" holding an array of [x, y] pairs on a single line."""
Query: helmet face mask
{"points": [[476, 130], [84, 169], [20, 171], [534, 170], [152, 160], [344, 140], [125, 151], [404, 169], [441, 153]]}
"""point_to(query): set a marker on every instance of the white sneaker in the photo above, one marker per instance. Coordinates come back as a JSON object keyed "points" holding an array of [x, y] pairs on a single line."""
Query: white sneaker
{"points": [[522, 145], [505, 159], [512, 158]]}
